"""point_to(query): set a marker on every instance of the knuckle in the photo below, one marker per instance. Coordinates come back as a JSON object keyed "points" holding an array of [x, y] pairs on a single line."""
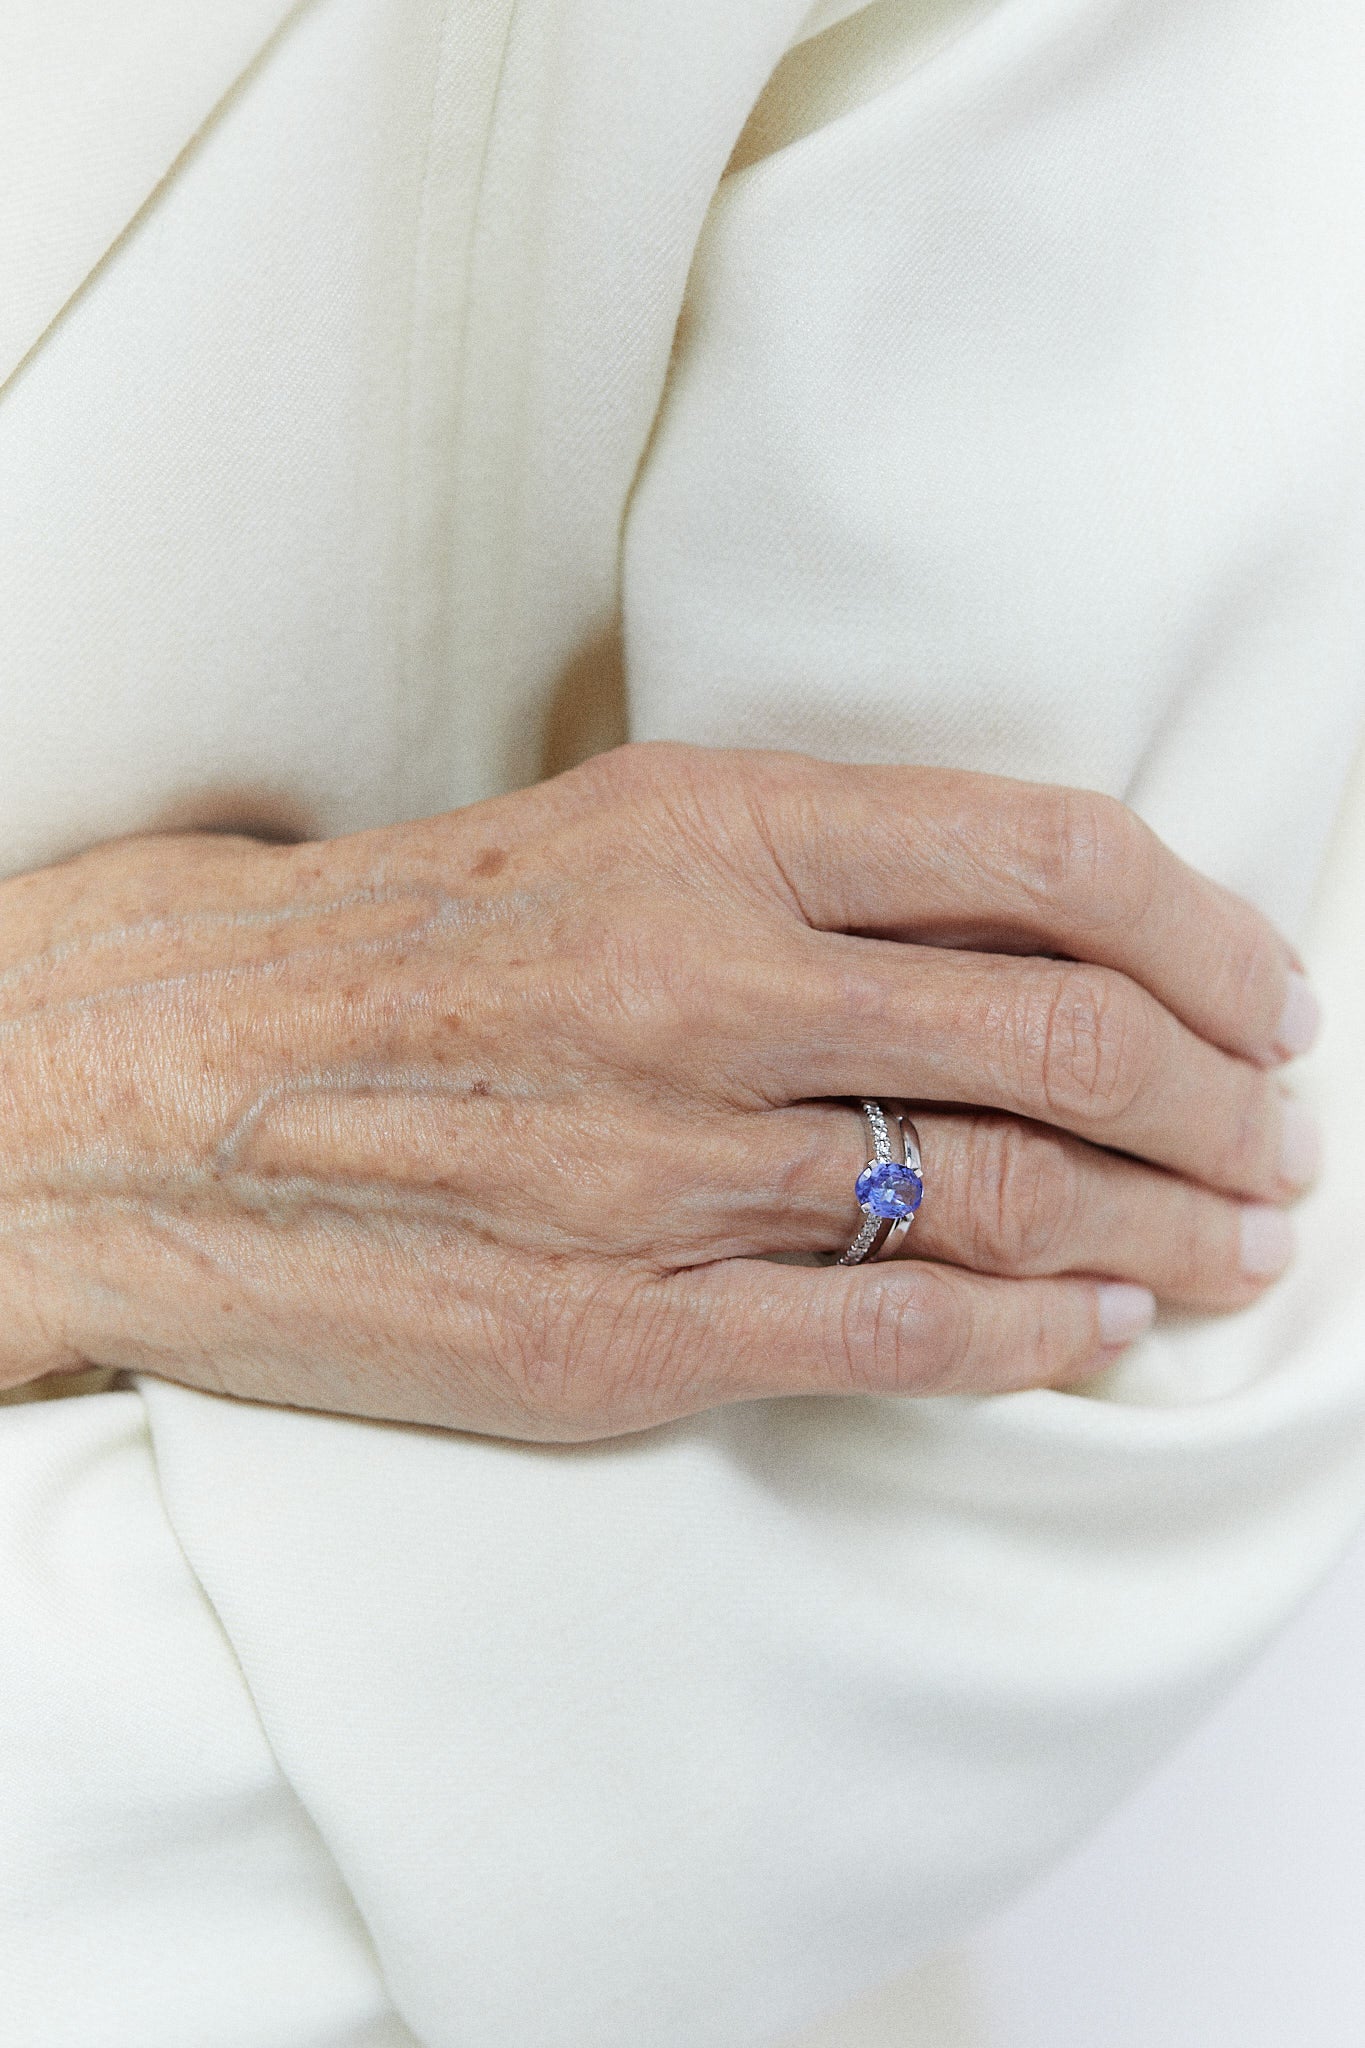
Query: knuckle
{"points": [[903, 1332], [864, 1348], [1090, 849], [531, 1385], [1022, 1197], [1063, 834], [708, 807], [670, 996], [869, 1341], [648, 1360], [637, 768], [679, 789], [720, 812], [604, 790], [595, 1356], [537, 1359], [1086, 1046]]}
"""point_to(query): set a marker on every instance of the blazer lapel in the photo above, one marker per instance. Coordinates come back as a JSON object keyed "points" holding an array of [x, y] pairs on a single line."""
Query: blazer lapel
{"points": [[97, 100]]}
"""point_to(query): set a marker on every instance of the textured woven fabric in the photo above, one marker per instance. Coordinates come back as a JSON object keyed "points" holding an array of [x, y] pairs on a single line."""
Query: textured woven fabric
{"points": [[445, 408]]}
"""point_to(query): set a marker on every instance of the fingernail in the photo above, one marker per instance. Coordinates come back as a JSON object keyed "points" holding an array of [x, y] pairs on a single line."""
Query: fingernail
{"points": [[1301, 1021], [1267, 1241], [1300, 1144], [1125, 1311]]}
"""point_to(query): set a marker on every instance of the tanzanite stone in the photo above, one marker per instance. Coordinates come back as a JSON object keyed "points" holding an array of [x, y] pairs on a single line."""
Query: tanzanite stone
{"points": [[889, 1191]]}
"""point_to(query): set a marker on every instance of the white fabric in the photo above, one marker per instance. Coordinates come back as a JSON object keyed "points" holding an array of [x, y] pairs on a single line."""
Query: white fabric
{"points": [[1220, 1908], [158, 1883], [96, 104], [1014, 420]]}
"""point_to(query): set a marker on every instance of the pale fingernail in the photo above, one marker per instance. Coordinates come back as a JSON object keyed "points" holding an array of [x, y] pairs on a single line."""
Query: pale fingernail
{"points": [[1300, 1144], [1267, 1241], [1125, 1311], [1301, 1020]]}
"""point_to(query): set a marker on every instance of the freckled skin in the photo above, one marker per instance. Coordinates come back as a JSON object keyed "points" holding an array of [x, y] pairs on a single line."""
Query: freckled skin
{"points": [[488, 1120]]}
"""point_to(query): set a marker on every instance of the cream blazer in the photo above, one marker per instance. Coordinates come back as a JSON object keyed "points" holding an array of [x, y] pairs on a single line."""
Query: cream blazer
{"points": [[402, 398]]}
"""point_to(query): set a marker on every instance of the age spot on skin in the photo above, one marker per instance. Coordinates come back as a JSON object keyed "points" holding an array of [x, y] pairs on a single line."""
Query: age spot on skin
{"points": [[491, 861]]}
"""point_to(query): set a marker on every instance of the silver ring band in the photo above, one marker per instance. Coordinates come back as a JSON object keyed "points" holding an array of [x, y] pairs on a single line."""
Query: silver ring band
{"points": [[888, 1190]]}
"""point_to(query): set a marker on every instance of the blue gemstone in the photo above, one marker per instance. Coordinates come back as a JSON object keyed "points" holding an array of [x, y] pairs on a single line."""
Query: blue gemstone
{"points": [[889, 1191]]}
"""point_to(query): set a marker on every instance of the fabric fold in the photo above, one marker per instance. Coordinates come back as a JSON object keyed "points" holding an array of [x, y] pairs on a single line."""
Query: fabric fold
{"points": [[159, 1883], [1013, 422], [96, 104]]}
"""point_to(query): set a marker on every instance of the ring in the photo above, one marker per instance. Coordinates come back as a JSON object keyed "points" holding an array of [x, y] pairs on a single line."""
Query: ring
{"points": [[888, 1190]]}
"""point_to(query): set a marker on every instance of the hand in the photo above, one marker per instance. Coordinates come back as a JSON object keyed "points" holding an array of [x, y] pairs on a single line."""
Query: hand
{"points": [[481, 1121]]}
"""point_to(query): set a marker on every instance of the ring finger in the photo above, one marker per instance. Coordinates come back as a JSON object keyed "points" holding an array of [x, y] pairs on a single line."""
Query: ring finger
{"points": [[1020, 1199]]}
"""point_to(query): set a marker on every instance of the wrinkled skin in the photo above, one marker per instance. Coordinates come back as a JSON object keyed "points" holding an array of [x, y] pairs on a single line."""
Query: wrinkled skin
{"points": [[481, 1121]]}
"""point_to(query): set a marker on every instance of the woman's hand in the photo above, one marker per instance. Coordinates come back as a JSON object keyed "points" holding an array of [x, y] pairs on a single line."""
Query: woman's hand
{"points": [[481, 1121]]}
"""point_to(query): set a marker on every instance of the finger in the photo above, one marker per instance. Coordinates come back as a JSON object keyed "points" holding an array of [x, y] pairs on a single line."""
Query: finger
{"points": [[747, 1329], [951, 859], [1079, 1047], [1020, 1200]]}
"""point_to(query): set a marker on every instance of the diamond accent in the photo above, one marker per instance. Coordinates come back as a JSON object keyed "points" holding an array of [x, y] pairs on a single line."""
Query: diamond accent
{"points": [[890, 1187], [862, 1243]]}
